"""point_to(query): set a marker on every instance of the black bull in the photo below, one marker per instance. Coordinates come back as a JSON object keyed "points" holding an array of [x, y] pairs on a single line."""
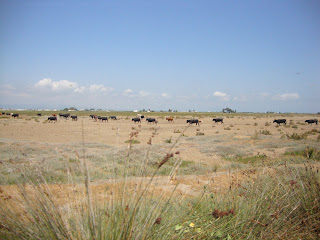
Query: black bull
{"points": [[192, 121]]}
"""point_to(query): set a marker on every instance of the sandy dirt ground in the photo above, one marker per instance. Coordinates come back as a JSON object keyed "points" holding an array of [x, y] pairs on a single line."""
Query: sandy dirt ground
{"points": [[207, 143]]}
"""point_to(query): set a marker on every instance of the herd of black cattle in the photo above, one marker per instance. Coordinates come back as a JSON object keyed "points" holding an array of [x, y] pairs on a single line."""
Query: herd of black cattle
{"points": [[149, 120]]}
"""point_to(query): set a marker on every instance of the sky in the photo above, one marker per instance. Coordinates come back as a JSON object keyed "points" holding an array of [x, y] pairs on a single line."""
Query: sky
{"points": [[250, 56]]}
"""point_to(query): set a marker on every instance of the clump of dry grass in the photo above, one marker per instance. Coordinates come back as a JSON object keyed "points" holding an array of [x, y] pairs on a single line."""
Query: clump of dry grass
{"points": [[296, 136], [169, 140], [265, 132]]}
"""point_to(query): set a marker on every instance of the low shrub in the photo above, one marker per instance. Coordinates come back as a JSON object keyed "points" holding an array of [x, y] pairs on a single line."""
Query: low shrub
{"points": [[169, 140], [248, 159], [265, 132], [132, 141], [296, 136]]}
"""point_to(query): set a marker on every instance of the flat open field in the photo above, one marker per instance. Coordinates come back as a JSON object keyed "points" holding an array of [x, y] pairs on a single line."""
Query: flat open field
{"points": [[58, 178], [31, 143]]}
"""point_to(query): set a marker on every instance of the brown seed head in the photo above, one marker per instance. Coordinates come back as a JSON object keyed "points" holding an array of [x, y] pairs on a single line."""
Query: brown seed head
{"points": [[158, 220], [165, 159]]}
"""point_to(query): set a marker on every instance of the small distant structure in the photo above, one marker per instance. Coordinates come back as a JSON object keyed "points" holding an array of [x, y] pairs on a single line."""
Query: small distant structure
{"points": [[228, 110], [135, 111]]}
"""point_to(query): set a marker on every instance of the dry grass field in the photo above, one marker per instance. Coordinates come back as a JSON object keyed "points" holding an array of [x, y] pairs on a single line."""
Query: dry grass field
{"points": [[31, 143], [213, 156]]}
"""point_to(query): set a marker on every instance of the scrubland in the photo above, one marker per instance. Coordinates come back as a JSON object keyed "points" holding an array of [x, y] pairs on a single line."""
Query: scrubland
{"points": [[244, 179]]}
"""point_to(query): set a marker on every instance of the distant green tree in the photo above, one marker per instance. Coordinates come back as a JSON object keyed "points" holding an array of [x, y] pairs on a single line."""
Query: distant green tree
{"points": [[228, 110]]}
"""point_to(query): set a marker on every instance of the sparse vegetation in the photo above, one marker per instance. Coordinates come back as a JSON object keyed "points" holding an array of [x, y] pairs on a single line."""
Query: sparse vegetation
{"points": [[149, 190], [168, 140], [265, 132], [296, 136], [132, 141], [308, 153]]}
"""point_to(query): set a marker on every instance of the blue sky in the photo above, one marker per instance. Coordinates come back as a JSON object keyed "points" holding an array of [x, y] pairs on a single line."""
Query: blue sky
{"points": [[186, 55]]}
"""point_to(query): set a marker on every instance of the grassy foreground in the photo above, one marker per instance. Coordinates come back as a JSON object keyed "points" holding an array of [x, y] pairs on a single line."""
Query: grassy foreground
{"points": [[278, 203]]}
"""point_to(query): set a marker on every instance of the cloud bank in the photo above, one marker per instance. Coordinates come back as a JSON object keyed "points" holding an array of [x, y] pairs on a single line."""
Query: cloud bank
{"points": [[65, 85], [287, 96], [71, 93], [221, 95]]}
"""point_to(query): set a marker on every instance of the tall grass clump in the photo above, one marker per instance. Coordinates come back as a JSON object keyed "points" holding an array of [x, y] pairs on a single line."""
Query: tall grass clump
{"points": [[281, 206], [124, 209], [309, 153]]}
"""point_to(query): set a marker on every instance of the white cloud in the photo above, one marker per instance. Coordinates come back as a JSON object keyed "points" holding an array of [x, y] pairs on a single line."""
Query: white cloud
{"points": [[46, 82], [165, 95], [221, 95], [80, 90], [127, 92], [287, 96], [65, 85], [56, 86], [143, 94], [95, 88]]}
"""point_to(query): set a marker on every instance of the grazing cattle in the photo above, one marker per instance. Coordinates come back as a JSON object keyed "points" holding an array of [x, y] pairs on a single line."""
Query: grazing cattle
{"points": [[74, 118], [136, 120], [3, 113], [103, 119], [279, 121], [192, 121], [216, 120], [8, 113], [93, 116], [310, 121], [170, 119], [52, 119], [39, 114], [65, 115], [151, 120], [15, 115], [113, 117]]}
